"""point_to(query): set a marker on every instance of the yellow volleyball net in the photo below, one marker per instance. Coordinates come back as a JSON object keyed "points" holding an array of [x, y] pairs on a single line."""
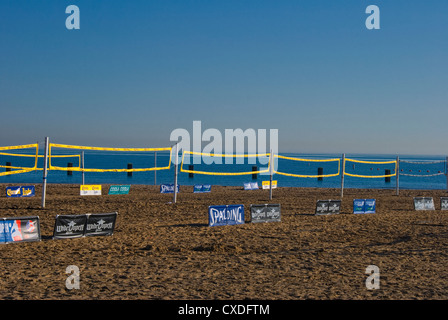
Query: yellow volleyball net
{"points": [[53, 146], [10, 169], [225, 156], [354, 162], [337, 161]]}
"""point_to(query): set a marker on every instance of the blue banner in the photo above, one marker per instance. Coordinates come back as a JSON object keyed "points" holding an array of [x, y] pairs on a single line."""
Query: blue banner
{"points": [[21, 191], [19, 229], [2, 231], [251, 186], [201, 188], [364, 206], [168, 188], [225, 215]]}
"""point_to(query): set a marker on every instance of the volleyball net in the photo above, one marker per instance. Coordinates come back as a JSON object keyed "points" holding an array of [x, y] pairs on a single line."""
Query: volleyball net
{"points": [[423, 168], [107, 151], [387, 168], [10, 169], [217, 158], [337, 161]]}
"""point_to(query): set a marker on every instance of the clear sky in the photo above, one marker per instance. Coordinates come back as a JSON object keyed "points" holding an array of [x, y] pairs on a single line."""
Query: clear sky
{"points": [[136, 70]]}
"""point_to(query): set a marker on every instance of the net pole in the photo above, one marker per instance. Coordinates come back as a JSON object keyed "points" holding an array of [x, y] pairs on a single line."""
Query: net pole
{"points": [[342, 175], [82, 166], [446, 172], [397, 176], [175, 173], [44, 178], [270, 176]]}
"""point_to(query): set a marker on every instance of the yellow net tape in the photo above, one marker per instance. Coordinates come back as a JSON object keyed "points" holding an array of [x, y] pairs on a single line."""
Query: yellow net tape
{"points": [[66, 146], [221, 156], [21, 169], [371, 162], [309, 160], [6, 173]]}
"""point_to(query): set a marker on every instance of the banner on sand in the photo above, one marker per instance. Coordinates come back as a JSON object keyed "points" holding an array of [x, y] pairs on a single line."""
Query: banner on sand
{"points": [[265, 213], [265, 184], [202, 188], [121, 189], [364, 206], [225, 215], [168, 188], [424, 203], [19, 229], [20, 192], [326, 207], [90, 190], [251, 186], [82, 225], [443, 203]]}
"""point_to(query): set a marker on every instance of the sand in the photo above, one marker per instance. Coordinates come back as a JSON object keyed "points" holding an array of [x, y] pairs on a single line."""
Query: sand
{"points": [[161, 250]]}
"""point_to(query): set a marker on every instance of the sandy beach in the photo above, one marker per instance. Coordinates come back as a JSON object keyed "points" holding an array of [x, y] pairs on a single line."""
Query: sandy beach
{"points": [[161, 250]]}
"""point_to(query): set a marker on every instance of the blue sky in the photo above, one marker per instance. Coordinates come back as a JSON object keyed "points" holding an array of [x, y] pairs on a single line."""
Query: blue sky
{"points": [[136, 70]]}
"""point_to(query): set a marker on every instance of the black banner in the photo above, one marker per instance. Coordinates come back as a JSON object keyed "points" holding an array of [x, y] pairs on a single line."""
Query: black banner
{"points": [[100, 224], [69, 226], [424, 203], [443, 203], [326, 207], [265, 213]]}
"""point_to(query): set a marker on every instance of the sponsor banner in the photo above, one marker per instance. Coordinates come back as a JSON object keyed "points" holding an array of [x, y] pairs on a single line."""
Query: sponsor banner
{"points": [[424, 203], [100, 224], [443, 203], [326, 207], [266, 185], [251, 186], [364, 206], [90, 190], [19, 229], [168, 188], [225, 215], [20, 192], [120, 189], [265, 213], [69, 226], [202, 188]]}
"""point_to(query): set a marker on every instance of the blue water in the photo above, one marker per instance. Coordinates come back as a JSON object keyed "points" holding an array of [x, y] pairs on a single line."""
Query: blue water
{"points": [[109, 160]]}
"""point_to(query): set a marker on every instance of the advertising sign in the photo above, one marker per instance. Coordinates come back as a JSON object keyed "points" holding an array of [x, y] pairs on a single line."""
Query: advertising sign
{"points": [[100, 224], [265, 213], [225, 215], [69, 226], [202, 188], [326, 207], [121, 189], [168, 188], [423, 203], [265, 184], [19, 229], [443, 203], [251, 186], [364, 206], [20, 192], [90, 190]]}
